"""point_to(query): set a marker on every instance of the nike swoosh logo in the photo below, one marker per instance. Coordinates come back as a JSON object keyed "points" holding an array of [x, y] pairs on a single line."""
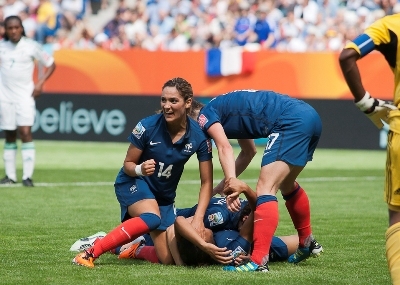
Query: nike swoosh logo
{"points": [[257, 220], [154, 143]]}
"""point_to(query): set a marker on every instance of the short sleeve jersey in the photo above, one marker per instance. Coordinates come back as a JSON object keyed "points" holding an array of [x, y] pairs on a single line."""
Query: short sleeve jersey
{"points": [[384, 36], [217, 216], [151, 136], [245, 114], [17, 62]]}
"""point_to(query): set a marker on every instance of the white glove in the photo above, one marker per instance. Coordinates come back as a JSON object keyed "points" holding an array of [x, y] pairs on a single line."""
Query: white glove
{"points": [[375, 109]]}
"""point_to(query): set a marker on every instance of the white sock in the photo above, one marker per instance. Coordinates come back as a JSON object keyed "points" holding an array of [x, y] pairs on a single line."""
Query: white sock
{"points": [[28, 159], [10, 160]]}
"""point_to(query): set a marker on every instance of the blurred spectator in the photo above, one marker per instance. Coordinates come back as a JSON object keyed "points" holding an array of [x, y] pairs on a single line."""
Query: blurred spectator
{"points": [[73, 10], [13, 8], [265, 35], [84, 40], [46, 20], [135, 25], [243, 25], [120, 19], [28, 22], [307, 10], [176, 42]]}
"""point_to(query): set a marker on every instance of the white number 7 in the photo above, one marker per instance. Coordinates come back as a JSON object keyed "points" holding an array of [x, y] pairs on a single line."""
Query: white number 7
{"points": [[271, 140]]}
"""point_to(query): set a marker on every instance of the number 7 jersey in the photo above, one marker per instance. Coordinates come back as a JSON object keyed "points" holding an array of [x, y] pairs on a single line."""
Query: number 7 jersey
{"points": [[17, 62]]}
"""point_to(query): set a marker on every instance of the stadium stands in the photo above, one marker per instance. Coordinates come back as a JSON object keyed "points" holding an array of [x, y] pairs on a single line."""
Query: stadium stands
{"points": [[181, 25]]}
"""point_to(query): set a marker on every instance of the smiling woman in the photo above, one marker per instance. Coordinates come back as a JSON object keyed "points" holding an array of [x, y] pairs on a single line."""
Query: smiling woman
{"points": [[160, 146]]}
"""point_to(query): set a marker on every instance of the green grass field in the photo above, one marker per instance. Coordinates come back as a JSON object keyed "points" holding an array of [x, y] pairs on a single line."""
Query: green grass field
{"points": [[74, 197]]}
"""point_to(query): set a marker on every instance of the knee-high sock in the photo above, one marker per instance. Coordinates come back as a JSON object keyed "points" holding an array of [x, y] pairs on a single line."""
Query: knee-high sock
{"points": [[10, 160], [298, 205], [266, 219], [121, 235], [28, 159], [148, 253], [393, 252]]}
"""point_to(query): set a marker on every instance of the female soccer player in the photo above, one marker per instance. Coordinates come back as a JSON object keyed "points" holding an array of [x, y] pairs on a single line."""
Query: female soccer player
{"points": [[145, 187], [293, 129], [18, 92]]}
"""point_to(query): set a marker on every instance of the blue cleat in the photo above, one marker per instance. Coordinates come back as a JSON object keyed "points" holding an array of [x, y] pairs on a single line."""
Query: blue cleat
{"points": [[302, 253], [248, 267]]}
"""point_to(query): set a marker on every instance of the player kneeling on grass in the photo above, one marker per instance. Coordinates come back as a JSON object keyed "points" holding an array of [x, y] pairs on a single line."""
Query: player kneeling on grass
{"points": [[145, 186]]}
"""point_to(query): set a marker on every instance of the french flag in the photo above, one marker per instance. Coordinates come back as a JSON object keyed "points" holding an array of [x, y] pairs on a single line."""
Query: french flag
{"points": [[229, 61]]}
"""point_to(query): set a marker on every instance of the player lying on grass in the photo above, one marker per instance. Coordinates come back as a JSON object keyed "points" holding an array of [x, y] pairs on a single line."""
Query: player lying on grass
{"points": [[217, 217], [187, 247], [227, 230]]}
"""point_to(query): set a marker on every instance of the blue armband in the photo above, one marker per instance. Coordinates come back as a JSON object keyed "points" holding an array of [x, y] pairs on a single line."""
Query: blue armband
{"points": [[365, 44]]}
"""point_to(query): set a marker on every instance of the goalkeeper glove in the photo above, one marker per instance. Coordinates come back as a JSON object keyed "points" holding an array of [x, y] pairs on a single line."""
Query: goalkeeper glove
{"points": [[375, 109]]}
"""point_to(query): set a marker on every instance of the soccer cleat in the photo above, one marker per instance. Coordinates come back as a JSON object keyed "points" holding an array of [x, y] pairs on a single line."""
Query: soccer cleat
{"points": [[7, 180], [85, 258], [315, 248], [247, 267], [129, 250], [302, 253], [86, 242], [27, 182]]}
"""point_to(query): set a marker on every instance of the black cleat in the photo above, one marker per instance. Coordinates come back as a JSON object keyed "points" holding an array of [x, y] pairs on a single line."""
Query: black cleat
{"points": [[7, 180], [27, 182]]}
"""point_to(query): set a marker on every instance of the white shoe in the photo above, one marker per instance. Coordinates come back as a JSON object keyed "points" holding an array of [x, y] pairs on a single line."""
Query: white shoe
{"points": [[86, 242]]}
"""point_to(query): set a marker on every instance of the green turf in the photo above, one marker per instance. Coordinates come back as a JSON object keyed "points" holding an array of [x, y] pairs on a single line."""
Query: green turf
{"points": [[39, 225]]}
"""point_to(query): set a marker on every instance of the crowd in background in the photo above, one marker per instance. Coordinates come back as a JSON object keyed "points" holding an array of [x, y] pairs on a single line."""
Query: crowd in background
{"points": [[182, 25]]}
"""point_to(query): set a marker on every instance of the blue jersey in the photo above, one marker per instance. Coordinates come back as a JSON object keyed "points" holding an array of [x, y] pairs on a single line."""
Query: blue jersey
{"points": [[151, 136], [262, 29], [217, 216], [232, 240], [246, 114]]}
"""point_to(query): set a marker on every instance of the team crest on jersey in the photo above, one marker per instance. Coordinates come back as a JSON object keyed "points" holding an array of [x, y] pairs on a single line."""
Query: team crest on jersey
{"points": [[238, 251], [138, 130], [133, 189], [188, 147], [215, 219], [202, 120]]}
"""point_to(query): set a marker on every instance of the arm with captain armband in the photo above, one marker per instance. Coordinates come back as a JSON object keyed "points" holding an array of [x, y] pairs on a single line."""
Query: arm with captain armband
{"points": [[375, 109]]}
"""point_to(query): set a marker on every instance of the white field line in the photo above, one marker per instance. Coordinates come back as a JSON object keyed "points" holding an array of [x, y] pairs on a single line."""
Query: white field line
{"points": [[190, 182]]}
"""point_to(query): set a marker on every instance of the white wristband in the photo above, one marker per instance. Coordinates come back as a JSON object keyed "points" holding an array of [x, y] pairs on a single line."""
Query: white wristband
{"points": [[365, 103], [138, 170]]}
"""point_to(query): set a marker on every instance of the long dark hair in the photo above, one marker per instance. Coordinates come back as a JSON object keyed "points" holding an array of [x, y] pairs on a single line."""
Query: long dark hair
{"points": [[9, 19], [192, 255]]}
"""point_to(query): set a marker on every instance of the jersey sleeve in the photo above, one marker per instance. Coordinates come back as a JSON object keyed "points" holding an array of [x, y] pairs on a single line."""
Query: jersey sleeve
{"points": [[375, 35], [204, 152], [42, 56], [138, 136], [207, 117]]}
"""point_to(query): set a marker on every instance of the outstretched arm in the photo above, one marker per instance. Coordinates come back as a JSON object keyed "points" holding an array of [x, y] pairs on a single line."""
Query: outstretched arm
{"points": [[206, 177], [230, 166]]}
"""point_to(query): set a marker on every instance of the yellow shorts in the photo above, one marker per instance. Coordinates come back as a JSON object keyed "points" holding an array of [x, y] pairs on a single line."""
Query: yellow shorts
{"points": [[392, 179]]}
